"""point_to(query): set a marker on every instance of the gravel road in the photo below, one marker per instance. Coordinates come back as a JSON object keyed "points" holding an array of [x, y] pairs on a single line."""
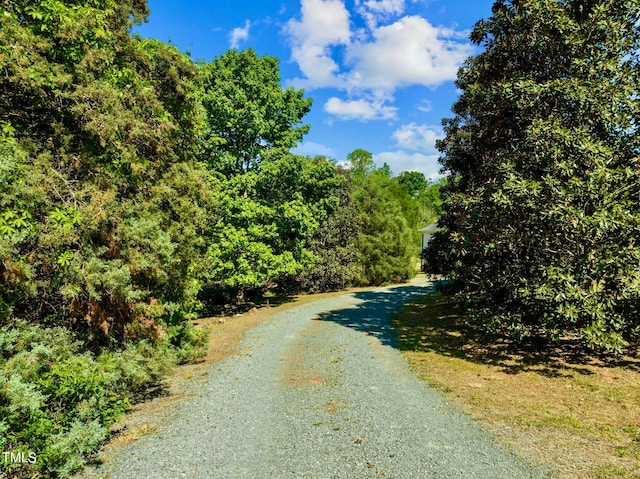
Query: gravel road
{"points": [[318, 391]]}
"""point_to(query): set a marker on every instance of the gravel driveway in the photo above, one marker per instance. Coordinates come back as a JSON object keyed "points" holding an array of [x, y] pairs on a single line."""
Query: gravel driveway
{"points": [[318, 391]]}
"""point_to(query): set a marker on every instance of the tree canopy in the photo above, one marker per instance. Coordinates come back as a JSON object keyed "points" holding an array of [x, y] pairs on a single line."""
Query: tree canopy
{"points": [[541, 201], [247, 110]]}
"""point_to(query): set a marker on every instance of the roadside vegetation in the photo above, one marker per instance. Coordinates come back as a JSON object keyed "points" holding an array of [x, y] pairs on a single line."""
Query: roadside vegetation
{"points": [[541, 214], [536, 331], [561, 407], [140, 189]]}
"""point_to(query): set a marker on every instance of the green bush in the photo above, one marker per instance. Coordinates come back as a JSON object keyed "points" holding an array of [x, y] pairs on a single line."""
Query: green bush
{"points": [[58, 400]]}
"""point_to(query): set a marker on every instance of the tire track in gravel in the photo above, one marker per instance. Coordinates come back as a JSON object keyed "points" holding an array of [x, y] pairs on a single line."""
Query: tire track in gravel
{"points": [[319, 391]]}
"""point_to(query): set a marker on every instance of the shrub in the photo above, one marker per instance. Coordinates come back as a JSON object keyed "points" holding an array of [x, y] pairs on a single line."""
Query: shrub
{"points": [[59, 400]]}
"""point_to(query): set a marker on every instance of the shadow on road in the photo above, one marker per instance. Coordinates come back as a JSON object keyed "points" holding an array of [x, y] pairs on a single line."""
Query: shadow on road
{"points": [[373, 315], [434, 324]]}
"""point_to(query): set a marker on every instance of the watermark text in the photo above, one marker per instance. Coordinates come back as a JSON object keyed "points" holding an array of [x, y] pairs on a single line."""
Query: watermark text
{"points": [[19, 457]]}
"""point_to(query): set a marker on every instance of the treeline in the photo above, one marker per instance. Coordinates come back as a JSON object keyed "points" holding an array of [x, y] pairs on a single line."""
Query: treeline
{"points": [[133, 180], [542, 216]]}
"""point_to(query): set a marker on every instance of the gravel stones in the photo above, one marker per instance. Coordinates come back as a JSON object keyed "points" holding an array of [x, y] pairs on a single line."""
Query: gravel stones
{"points": [[319, 391]]}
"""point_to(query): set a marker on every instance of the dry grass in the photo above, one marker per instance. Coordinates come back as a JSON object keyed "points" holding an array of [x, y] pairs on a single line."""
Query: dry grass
{"points": [[558, 407]]}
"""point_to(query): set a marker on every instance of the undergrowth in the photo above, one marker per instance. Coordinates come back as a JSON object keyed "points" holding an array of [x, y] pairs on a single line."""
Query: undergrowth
{"points": [[58, 400]]}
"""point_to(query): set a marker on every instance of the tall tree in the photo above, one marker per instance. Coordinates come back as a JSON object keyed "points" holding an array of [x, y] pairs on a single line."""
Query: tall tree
{"points": [[386, 241], [335, 243], [100, 215], [248, 111], [541, 203], [424, 193], [413, 181]]}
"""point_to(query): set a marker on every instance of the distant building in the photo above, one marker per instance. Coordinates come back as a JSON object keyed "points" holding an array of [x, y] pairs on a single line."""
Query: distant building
{"points": [[427, 233]]}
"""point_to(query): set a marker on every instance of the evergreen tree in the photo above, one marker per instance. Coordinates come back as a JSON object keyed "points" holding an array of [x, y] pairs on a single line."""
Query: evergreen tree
{"points": [[100, 208], [541, 202], [338, 261], [386, 241]]}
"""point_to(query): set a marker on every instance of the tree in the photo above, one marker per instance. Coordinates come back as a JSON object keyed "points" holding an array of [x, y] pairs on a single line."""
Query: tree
{"points": [[247, 111], [361, 164], [430, 200], [414, 182], [386, 241], [270, 201], [102, 213], [425, 194], [334, 244], [266, 219], [541, 201]]}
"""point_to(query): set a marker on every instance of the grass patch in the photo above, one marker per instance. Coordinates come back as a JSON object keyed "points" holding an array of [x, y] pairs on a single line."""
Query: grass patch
{"points": [[553, 404]]}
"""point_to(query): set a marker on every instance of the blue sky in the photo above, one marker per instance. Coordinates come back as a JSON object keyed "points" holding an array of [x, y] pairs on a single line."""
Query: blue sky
{"points": [[380, 72]]}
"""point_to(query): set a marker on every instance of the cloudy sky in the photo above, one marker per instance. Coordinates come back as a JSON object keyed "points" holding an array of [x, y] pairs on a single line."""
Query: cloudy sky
{"points": [[380, 72]]}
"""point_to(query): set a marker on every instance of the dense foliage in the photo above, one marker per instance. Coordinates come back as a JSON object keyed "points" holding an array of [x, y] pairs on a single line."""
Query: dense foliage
{"points": [[248, 112], [271, 201], [101, 214], [96, 135], [334, 244], [541, 203], [387, 239], [132, 178], [57, 400]]}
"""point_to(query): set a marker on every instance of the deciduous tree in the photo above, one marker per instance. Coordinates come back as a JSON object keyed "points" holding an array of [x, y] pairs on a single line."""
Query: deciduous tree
{"points": [[248, 111]]}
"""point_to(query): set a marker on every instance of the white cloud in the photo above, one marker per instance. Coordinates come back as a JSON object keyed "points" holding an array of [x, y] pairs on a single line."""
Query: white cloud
{"points": [[417, 137], [324, 23], [310, 148], [359, 109], [410, 51], [371, 62], [400, 161], [374, 11], [425, 106], [238, 34]]}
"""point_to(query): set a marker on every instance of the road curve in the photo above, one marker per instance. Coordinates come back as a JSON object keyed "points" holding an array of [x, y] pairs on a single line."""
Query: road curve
{"points": [[319, 391]]}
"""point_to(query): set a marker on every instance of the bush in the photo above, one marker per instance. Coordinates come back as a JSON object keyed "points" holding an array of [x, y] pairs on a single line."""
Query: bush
{"points": [[59, 402]]}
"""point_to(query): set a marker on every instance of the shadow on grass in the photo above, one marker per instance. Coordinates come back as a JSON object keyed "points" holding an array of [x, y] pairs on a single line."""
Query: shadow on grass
{"points": [[433, 323]]}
